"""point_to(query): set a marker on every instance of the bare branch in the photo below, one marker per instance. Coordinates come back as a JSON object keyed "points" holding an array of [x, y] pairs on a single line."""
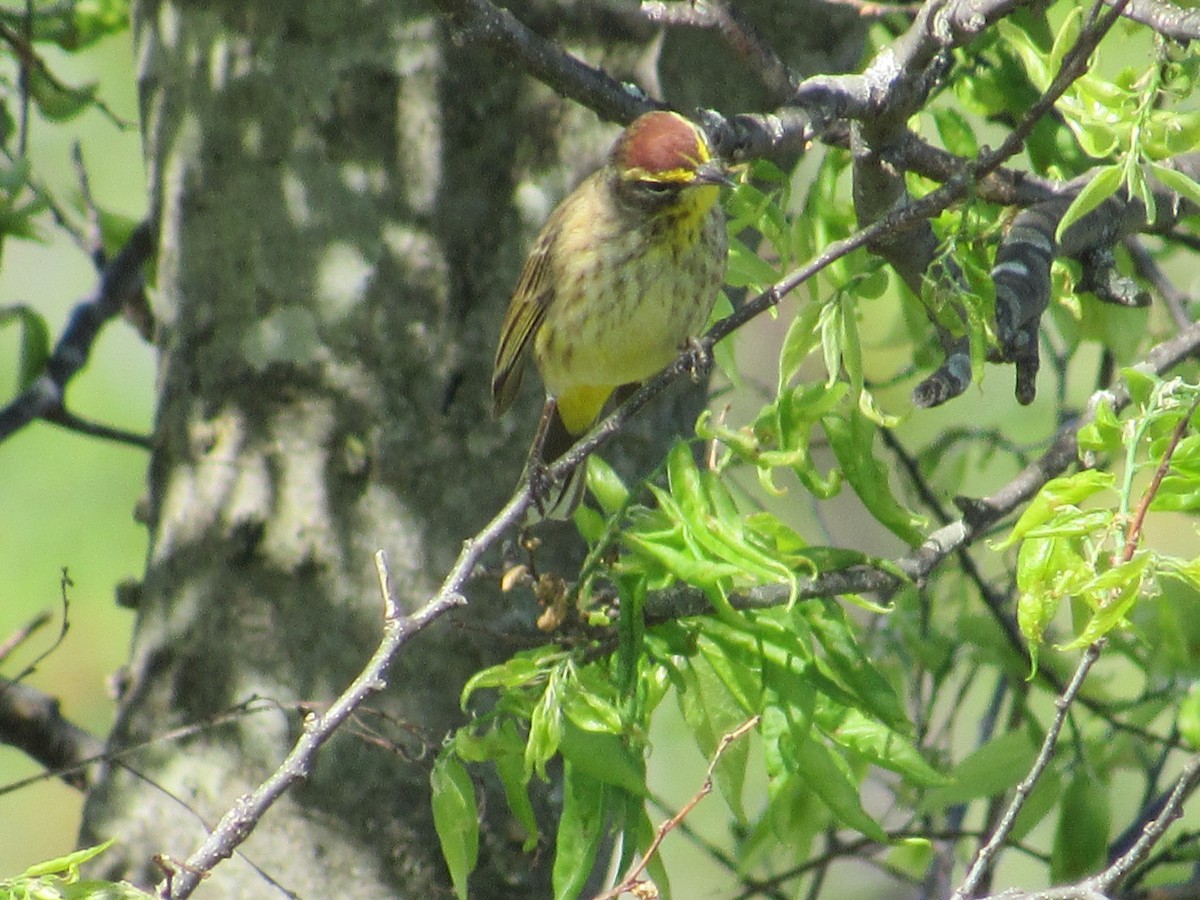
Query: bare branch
{"points": [[482, 22], [1168, 19], [121, 278], [31, 721]]}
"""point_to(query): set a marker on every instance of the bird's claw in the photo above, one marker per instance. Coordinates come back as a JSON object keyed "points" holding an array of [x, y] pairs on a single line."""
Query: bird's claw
{"points": [[700, 359], [540, 482]]}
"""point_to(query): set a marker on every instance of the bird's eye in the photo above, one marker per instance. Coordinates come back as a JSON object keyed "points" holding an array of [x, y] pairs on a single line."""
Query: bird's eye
{"points": [[657, 187]]}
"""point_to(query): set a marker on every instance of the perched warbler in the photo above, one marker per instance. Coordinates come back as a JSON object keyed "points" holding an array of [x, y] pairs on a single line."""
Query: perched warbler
{"points": [[624, 272]]}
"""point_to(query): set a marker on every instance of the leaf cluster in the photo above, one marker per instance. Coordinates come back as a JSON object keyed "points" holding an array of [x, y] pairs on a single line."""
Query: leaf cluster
{"points": [[59, 879]]}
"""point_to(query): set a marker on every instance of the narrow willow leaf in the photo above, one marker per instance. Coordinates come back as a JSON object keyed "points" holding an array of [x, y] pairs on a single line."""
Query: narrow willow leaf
{"points": [[455, 818], [877, 743], [545, 728], [580, 830], [990, 771], [606, 485], [1068, 490], [827, 775], [1178, 182], [64, 865], [1081, 840], [1104, 183], [851, 437], [511, 769], [956, 133], [604, 757]]}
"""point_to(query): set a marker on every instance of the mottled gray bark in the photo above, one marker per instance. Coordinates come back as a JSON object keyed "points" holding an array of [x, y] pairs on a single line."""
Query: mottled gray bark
{"points": [[343, 197]]}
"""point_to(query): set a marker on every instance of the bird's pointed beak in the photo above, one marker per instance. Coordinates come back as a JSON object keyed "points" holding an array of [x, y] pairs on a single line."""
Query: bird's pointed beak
{"points": [[713, 172]]}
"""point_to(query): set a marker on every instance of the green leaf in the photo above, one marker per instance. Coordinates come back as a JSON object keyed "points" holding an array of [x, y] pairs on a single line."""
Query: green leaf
{"points": [[604, 757], [35, 342], [591, 711], [1081, 840], [56, 101], [850, 665], [877, 743], [1178, 182], [1188, 719], [801, 339], [1103, 433], [735, 660], [828, 776], [67, 865], [511, 769], [455, 818], [710, 712], [580, 830], [525, 668], [545, 727], [851, 437], [1112, 595], [956, 133], [606, 485], [1066, 491], [1102, 186], [1172, 133], [747, 269], [1141, 385], [1098, 140], [990, 771]]}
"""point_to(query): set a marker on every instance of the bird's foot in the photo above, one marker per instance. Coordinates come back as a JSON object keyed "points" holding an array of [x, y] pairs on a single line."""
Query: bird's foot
{"points": [[699, 360], [541, 484]]}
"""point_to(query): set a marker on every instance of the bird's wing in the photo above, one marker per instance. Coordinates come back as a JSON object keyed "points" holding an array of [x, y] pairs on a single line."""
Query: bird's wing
{"points": [[533, 295]]}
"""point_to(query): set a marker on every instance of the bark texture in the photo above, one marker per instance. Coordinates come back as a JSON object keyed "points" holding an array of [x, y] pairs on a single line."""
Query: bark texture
{"points": [[343, 195]]}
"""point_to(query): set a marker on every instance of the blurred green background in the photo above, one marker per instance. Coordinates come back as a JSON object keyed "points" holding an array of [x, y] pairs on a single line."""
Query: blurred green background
{"points": [[68, 500]]}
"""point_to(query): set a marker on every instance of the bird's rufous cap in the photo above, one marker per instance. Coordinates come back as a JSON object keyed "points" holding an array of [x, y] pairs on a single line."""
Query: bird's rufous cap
{"points": [[662, 145]]}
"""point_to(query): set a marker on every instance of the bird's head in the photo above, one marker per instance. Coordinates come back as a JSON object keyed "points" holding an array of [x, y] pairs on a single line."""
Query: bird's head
{"points": [[663, 161]]}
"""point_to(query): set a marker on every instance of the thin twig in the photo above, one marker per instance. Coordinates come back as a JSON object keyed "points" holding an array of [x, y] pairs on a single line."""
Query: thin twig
{"points": [[1147, 266], [64, 626], [118, 754], [632, 878], [21, 635], [1062, 705], [95, 236]]}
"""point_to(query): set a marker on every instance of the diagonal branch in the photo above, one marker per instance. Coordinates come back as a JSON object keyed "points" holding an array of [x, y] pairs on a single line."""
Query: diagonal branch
{"points": [[483, 22], [119, 280], [32, 722]]}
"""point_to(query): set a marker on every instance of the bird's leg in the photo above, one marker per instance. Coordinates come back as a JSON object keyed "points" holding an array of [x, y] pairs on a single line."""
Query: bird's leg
{"points": [[536, 476], [700, 358]]}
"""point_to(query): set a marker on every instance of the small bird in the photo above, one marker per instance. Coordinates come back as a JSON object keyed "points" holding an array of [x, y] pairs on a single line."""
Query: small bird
{"points": [[622, 275]]}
